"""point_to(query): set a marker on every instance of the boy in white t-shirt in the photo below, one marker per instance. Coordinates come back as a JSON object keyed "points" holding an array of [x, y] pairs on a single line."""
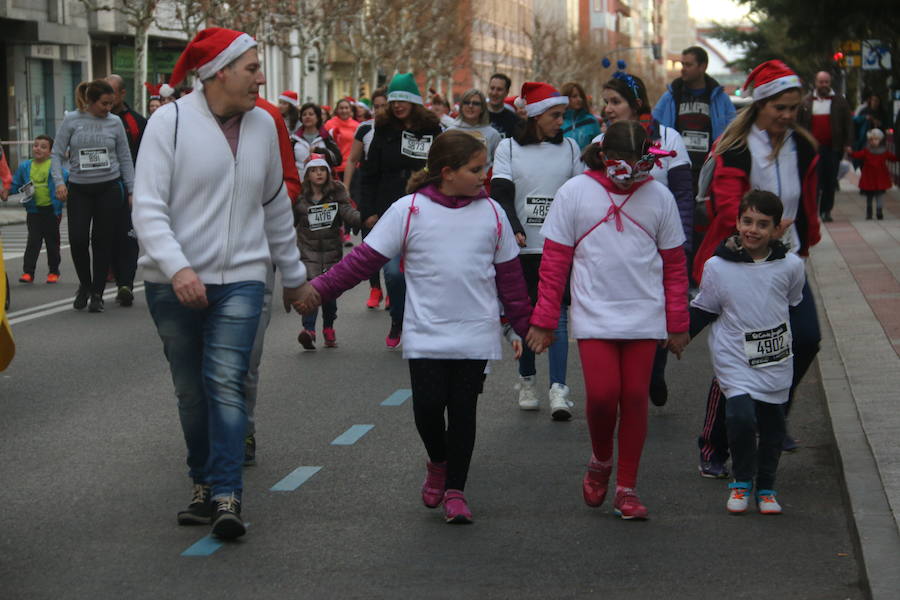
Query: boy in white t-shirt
{"points": [[747, 290]]}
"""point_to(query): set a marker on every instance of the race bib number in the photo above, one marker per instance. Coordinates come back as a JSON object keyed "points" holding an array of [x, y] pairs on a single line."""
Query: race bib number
{"points": [[322, 216], [536, 210], [90, 159], [696, 141], [27, 192], [415, 147], [768, 347]]}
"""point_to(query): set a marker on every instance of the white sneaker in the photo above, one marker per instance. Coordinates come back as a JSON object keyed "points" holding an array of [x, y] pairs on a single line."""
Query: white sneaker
{"points": [[738, 500], [528, 399], [560, 405], [766, 503]]}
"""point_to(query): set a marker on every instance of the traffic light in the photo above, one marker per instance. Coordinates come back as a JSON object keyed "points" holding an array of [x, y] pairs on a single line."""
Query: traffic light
{"points": [[838, 56]]}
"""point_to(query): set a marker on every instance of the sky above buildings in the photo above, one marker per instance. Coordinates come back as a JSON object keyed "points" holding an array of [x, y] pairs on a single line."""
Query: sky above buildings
{"points": [[722, 11]]}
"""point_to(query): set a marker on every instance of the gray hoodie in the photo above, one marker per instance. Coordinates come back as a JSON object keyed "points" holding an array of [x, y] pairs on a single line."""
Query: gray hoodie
{"points": [[485, 133], [97, 149]]}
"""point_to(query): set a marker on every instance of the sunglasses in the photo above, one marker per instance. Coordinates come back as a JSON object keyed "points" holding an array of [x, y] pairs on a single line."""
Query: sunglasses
{"points": [[472, 103]]}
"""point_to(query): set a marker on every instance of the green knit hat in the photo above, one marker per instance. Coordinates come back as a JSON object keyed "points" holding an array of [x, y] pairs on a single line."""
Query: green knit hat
{"points": [[403, 88]]}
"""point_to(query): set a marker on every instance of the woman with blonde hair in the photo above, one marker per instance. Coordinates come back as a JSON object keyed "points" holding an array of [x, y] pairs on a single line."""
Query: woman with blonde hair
{"points": [[474, 120], [92, 144]]}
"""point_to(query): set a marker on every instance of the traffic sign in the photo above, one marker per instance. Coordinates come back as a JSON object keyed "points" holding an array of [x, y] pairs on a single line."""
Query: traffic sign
{"points": [[875, 56]]}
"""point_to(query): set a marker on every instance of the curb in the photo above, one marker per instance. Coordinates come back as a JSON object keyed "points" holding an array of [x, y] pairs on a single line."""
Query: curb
{"points": [[873, 522]]}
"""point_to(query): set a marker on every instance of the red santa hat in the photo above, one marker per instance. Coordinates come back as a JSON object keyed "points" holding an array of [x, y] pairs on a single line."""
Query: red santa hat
{"points": [[212, 49], [771, 78], [290, 97], [509, 103], [315, 160], [537, 98]]}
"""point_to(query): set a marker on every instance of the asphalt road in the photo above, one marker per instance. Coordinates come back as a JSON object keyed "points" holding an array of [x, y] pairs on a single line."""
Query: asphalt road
{"points": [[93, 474]]}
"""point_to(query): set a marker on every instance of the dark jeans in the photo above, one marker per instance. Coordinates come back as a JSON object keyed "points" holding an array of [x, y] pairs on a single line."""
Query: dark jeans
{"points": [[374, 280], [43, 228], [125, 249], [93, 210], [395, 282], [329, 314], [450, 386], [829, 161], [807, 335], [558, 354], [745, 418]]}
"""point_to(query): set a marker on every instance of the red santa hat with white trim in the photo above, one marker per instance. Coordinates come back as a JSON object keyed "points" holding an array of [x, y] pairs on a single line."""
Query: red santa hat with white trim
{"points": [[537, 98], [212, 49], [770, 79], [291, 97], [315, 160]]}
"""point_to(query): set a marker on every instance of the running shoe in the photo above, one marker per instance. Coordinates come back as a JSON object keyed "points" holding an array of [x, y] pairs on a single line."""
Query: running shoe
{"points": [[738, 498], [227, 523], [348, 242], [560, 405], [307, 339], [53, 278], [659, 393], [713, 469], [200, 510], [393, 337], [789, 444], [628, 506], [433, 486], [528, 399], [26, 278], [595, 483], [96, 305], [81, 298], [456, 509], [330, 337], [767, 503], [125, 297], [249, 450], [374, 298]]}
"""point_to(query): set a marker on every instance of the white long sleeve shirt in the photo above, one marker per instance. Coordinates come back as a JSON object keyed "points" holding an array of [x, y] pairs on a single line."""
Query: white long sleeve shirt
{"points": [[198, 205]]}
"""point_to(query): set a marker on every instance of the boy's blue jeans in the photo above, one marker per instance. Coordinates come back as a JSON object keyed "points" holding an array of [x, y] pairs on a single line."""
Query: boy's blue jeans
{"points": [[209, 353]]}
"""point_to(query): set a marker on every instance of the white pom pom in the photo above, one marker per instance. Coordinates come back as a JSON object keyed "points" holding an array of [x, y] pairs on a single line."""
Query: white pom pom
{"points": [[166, 90], [520, 102]]}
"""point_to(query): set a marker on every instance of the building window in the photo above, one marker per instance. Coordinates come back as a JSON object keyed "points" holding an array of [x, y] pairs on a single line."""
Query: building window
{"points": [[40, 94]]}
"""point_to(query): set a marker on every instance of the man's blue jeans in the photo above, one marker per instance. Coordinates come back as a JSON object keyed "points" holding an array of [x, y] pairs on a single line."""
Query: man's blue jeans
{"points": [[209, 353], [395, 282]]}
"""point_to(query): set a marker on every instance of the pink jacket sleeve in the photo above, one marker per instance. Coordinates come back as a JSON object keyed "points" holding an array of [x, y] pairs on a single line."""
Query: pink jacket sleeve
{"points": [[513, 294], [675, 285], [554, 272], [360, 264]]}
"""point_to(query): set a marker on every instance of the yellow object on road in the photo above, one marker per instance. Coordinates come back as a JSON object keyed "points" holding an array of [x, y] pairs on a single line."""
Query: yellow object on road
{"points": [[7, 344]]}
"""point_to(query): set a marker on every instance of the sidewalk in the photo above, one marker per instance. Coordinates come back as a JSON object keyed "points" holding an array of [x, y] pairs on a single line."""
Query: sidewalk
{"points": [[11, 213], [855, 270]]}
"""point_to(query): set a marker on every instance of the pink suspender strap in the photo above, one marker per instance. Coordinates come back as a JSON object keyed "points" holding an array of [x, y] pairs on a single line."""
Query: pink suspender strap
{"points": [[413, 209], [615, 212]]}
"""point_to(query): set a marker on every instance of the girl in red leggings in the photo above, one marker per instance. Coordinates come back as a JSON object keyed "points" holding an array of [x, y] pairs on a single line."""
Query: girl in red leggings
{"points": [[619, 232]]}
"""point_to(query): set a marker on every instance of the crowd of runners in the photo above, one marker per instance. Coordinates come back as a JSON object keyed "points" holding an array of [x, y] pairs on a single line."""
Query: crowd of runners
{"points": [[533, 218]]}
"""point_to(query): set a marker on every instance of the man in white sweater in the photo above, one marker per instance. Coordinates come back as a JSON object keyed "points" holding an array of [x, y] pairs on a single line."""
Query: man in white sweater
{"points": [[212, 214]]}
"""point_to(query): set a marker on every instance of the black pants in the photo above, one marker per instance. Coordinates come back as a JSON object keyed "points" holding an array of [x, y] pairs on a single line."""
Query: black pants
{"points": [[829, 162], [125, 249], [374, 280], [94, 209], [745, 418], [450, 386], [43, 229]]}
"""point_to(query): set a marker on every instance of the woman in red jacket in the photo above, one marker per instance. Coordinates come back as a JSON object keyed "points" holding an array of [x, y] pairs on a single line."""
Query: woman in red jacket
{"points": [[764, 148], [342, 127]]}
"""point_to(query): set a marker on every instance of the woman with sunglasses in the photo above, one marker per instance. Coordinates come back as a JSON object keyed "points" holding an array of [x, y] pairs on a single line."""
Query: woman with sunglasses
{"points": [[474, 119]]}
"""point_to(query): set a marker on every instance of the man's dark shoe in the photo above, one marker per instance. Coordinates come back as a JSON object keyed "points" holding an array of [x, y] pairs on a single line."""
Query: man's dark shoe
{"points": [[200, 510], [249, 450], [96, 305], [227, 523], [125, 297], [659, 393], [81, 298]]}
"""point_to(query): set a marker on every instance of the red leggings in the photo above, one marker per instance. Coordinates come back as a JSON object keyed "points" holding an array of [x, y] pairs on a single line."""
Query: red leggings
{"points": [[617, 382]]}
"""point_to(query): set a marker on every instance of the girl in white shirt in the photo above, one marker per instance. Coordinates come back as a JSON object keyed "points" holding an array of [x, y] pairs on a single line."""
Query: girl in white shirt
{"points": [[459, 254], [619, 232]]}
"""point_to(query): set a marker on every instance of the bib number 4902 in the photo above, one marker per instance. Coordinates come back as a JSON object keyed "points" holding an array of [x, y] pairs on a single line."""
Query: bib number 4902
{"points": [[768, 347]]}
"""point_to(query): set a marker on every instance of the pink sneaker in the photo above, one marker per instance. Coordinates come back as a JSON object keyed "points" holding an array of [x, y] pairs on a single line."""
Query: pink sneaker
{"points": [[330, 337], [433, 486], [393, 337], [628, 505], [456, 510], [374, 298], [595, 483], [307, 339]]}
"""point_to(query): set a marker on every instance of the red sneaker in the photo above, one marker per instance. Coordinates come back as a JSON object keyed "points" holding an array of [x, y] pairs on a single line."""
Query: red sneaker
{"points": [[595, 483], [393, 337], [628, 506], [433, 486], [374, 298], [307, 339], [456, 509], [330, 337], [26, 278], [52, 278]]}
